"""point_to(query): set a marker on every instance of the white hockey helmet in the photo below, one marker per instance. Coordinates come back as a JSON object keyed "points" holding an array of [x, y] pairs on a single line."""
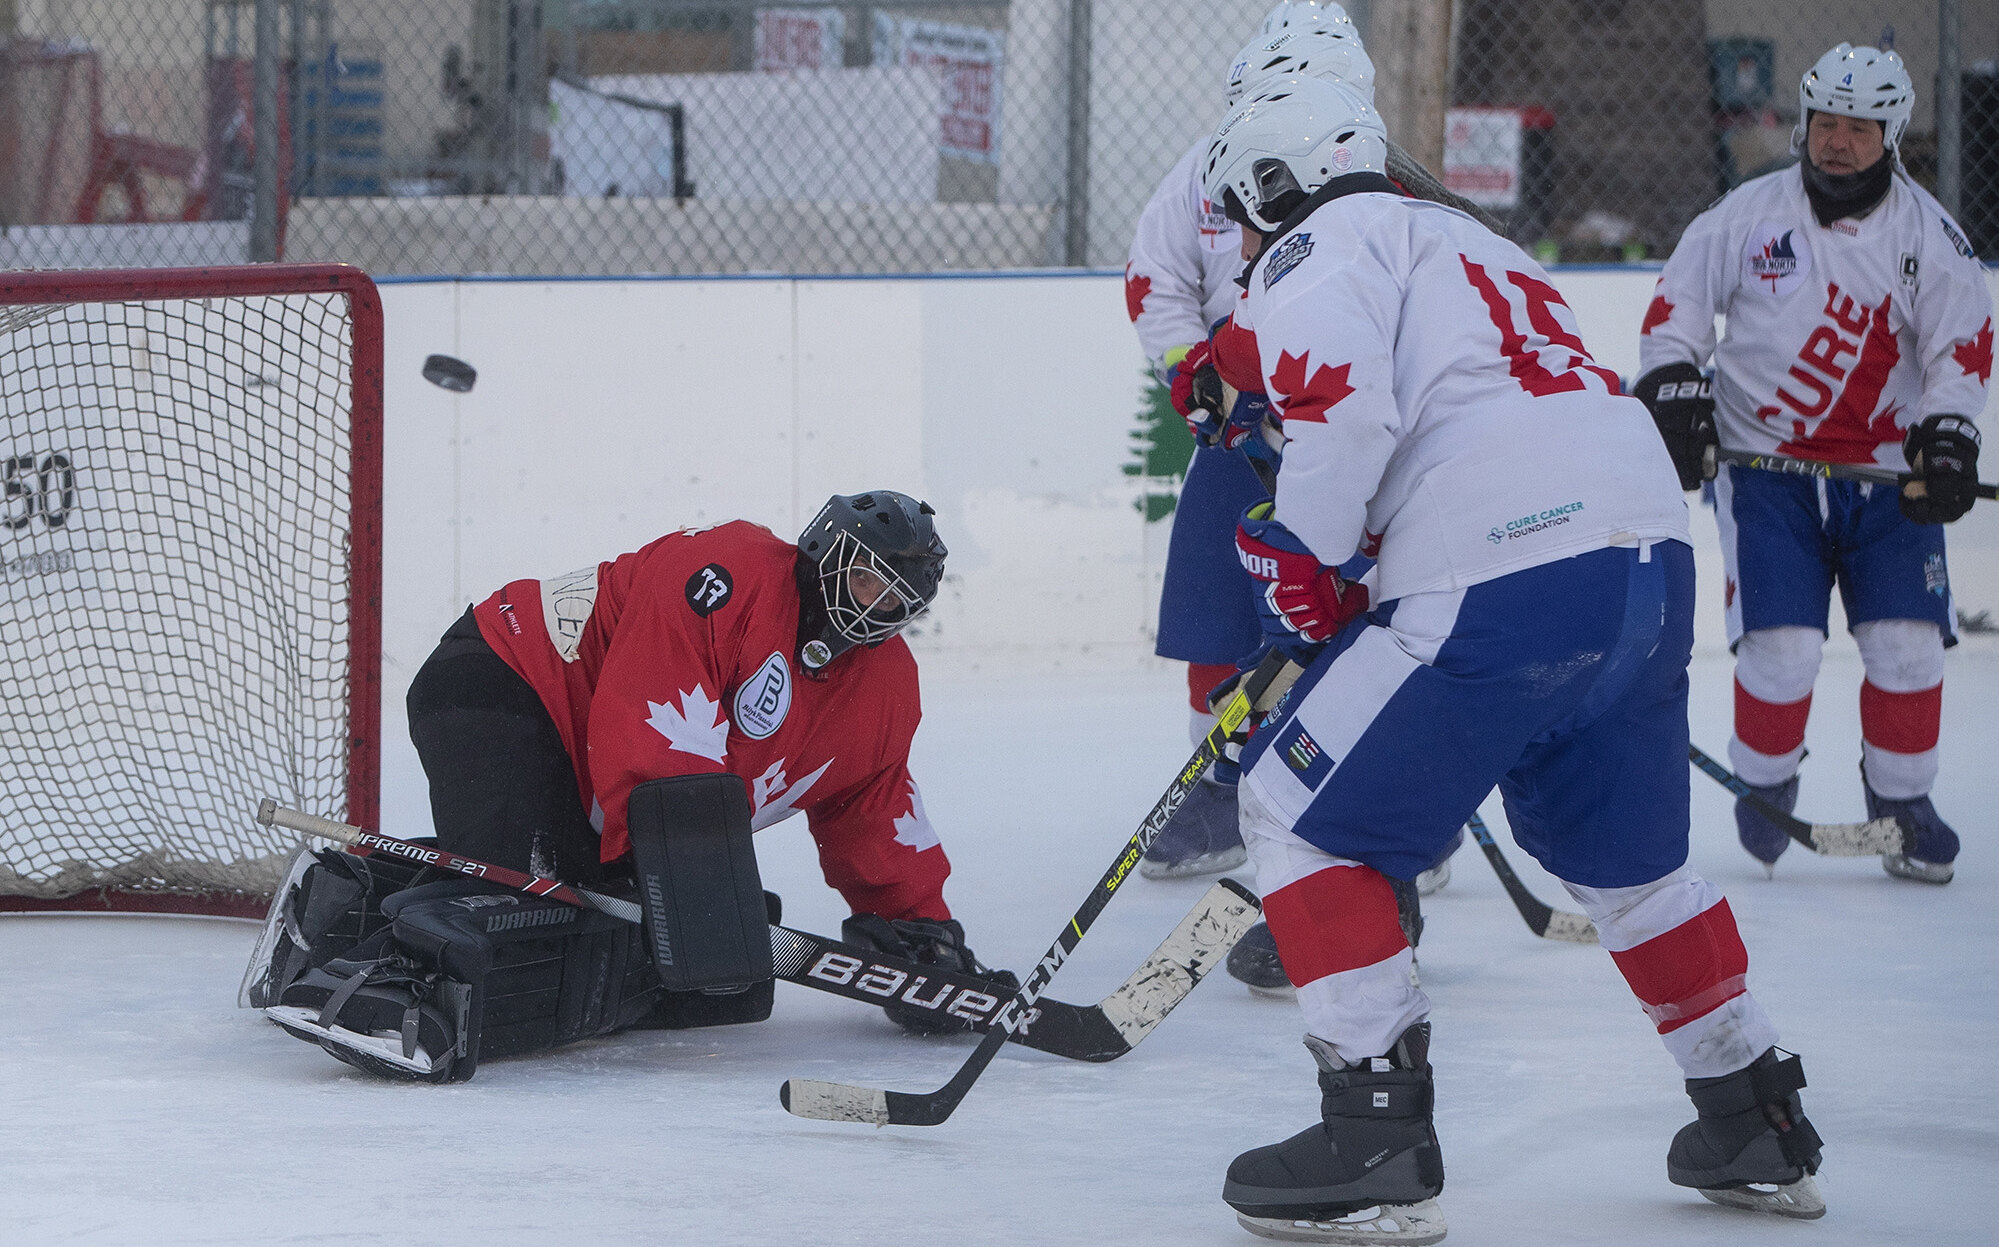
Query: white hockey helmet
{"points": [[1857, 82], [1292, 134], [1334, 53], [1305, 15]]}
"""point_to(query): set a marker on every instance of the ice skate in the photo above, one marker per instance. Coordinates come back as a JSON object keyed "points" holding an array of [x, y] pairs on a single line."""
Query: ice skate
{"points": [[1255, 963], [1933, 848], [1765, 840], [1368, 1173], [1752, 1147], [1435, 879], [1202, 838]]}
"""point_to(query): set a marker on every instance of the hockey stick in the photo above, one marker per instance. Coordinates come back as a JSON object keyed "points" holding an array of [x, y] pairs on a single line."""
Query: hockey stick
{"points": [[1543, 920], [1832, 471], [828, 1101], [1879, 836], [1104, 1031]]}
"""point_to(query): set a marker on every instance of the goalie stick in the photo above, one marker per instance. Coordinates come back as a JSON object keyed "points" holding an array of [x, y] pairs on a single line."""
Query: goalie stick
{"points": [[1874, 837], [830, 1101], [1867, 473], [1104, 1031], [1543, 920]]}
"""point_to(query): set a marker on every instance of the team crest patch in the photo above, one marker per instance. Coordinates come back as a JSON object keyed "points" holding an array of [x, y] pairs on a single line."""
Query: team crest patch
{"points": [[1935, 578], [764, 699], [1776, 259], [1289, 255], [708, 590]]}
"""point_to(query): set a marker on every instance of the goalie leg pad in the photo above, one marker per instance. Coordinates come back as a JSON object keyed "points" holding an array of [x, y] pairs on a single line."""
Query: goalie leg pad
{"points": [[329, 902], [699, 889], [467, 972]]}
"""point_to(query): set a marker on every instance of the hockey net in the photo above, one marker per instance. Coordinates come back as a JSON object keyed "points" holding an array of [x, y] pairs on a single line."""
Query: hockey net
{"points": [[190, 570]]}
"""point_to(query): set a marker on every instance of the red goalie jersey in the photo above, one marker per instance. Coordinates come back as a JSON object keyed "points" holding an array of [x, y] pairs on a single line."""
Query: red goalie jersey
{"points": [[681, 659]]}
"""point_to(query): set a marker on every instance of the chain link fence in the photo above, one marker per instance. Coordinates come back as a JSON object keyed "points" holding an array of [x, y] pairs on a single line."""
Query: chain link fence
{"points": [[725, 136]]}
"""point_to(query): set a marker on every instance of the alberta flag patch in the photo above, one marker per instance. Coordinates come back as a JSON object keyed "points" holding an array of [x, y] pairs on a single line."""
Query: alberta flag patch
{"points": [[1303, 755], [1289, 255]]}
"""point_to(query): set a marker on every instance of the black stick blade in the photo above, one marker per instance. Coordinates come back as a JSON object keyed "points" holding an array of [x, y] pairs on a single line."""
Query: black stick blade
{"points": [[451, 374]]}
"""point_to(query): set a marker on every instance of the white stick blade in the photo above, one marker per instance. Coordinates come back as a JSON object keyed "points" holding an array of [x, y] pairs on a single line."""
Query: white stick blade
{"points": [[1574, 928], [1869, 839], [835, 1101], [1200, 943]]}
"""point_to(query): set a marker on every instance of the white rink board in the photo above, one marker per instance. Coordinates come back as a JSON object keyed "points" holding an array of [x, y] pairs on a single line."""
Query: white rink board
{"points": [[608, 412]]}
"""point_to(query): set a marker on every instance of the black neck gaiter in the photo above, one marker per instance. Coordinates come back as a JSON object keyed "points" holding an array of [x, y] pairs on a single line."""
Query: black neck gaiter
{"points": [[1836, 195]]}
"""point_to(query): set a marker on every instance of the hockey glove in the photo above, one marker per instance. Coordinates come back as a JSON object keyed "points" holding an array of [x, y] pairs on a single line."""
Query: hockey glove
{"points": [[930, 942], [1215, 415], [1943, 450], [1300, 602], [1681, 401]]}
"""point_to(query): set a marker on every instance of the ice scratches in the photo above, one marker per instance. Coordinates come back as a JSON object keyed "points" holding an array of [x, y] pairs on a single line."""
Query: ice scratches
{"points": [[1200, 943], [1412, 1224], [834, 1101]]}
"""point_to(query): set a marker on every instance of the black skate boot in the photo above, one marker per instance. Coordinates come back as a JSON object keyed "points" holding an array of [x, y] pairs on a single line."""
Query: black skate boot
{"points": [[1765, 840], [1369, 1173], [1202, 838], [1932, 845], [1752, 1145], [1254, 961]]}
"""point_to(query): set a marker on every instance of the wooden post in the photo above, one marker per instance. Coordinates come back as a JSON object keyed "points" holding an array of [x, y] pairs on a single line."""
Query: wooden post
{"points": [[1410, 42]]}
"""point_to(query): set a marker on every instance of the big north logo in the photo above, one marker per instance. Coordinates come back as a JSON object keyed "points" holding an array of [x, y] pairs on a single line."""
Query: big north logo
{"points": [[1776, 259]]}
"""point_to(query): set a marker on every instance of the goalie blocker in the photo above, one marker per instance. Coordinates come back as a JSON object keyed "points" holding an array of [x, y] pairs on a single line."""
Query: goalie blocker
{"points": [[418, 979]]}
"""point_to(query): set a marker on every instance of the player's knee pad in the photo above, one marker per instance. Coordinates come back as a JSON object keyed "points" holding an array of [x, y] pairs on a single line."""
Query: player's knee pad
{"points": [[329, 902], [1778, 665], [1900, 655], [466, 972]]}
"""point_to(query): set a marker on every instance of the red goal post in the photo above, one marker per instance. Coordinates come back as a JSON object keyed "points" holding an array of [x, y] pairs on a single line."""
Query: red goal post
{"points": [[190, 578]]}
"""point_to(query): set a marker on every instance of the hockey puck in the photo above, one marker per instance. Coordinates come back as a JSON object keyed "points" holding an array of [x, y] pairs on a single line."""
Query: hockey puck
{"points": [[451, 374]]}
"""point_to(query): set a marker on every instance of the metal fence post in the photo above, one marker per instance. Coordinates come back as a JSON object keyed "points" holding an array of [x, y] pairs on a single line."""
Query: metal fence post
{"points": [[264, 168], [1950, 101], [1076, 178]]}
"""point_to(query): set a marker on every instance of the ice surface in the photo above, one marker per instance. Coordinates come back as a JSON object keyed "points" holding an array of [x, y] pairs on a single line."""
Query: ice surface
{"points": [[140, 1106]]}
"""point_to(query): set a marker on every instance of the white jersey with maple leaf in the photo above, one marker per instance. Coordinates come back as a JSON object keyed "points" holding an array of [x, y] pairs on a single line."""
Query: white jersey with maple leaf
{"points": [[1185, 257], [1839, 336], [680, 659], [1440, 410]]}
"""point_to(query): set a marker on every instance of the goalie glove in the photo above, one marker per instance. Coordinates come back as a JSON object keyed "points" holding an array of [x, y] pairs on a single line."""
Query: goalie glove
{"points": [[1300, 602], [1943, 451], [1681, 401]]}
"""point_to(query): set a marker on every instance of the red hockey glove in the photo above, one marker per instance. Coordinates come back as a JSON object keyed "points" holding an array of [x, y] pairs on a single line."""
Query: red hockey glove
{"points": [[1300, 598]]}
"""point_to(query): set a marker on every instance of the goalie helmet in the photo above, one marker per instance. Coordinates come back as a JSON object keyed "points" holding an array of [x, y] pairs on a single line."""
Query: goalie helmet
{"points": [[1305, 15], [868, 564], [1287, 139], [1334, 53], [1857, 82]]}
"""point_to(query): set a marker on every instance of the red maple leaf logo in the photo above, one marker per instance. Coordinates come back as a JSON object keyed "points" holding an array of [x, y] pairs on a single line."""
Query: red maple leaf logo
{"points": [[1657, 314], [1975, 353], [1298, 399], [1135, 290], [1728, 594]]}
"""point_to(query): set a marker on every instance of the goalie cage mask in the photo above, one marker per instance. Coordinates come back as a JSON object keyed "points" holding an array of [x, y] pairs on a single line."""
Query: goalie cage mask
{"points": [[869, 564]]}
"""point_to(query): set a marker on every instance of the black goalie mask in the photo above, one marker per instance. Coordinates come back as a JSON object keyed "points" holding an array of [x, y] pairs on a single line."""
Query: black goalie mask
{"points": [[868, 564]]}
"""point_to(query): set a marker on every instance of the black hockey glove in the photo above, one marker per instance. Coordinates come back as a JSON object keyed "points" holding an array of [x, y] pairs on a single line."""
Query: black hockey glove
{"points": [[930, 942], [1681, 401], [1943, 450]]}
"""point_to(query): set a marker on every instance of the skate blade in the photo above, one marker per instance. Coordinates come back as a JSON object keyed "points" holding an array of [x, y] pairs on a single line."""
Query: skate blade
{"points": [[1412, 1225], [1922, 872], [1205, 864], [1799, 1200], [1282, 992]]}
